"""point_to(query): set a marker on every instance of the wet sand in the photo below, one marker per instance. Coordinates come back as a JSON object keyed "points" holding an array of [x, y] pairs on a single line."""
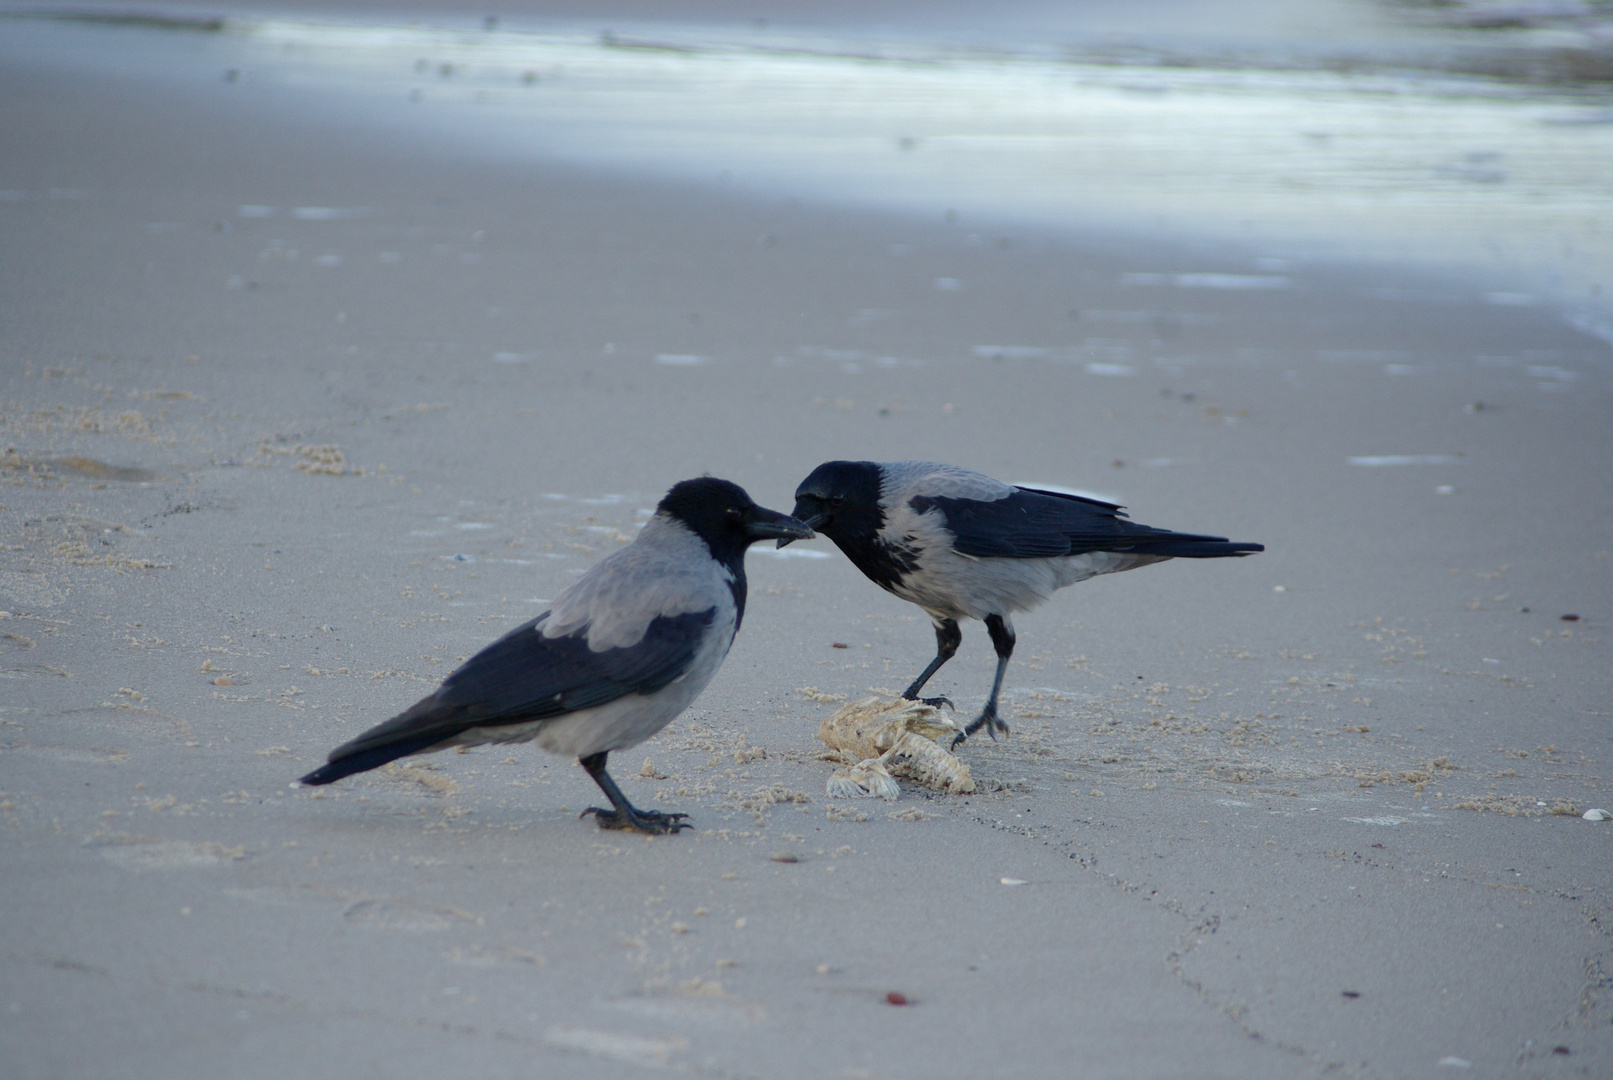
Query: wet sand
{"points": [[1311, 812]]}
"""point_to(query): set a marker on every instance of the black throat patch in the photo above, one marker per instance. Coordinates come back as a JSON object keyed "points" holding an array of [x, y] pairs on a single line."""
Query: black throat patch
{"points": [[737, 587], [882, 561], [848, 493]]}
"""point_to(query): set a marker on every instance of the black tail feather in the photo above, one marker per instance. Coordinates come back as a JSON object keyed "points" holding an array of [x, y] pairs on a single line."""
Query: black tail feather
{"points": [[365, 760], [1189, 547]]}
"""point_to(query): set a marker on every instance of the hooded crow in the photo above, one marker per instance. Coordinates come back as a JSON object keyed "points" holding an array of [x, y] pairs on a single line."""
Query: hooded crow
{"points": [[624, 650], [961, 545]]}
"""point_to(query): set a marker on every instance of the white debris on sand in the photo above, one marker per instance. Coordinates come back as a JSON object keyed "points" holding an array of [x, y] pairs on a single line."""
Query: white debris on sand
{"points": [[880, 737], [865, 779]]}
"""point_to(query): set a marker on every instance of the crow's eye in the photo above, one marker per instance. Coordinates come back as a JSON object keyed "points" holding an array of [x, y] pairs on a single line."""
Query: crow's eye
{"points": [[734, 513], [836, 500]]}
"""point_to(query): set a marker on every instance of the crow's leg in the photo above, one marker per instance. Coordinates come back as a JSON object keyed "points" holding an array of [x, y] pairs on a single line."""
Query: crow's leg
{"points": [[947, 639], [1002, 639], [625, 815]]}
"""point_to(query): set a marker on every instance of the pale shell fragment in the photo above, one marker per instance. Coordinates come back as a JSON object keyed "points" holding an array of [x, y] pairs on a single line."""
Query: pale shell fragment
{"points": [[1597, 814], [899, 738], [921, 760], [863, 780], [872, 726]]}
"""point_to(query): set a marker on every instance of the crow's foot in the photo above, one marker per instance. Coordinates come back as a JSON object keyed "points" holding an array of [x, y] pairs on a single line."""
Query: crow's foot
{"points": [[932, 702], [649, 822], [987, 719]]}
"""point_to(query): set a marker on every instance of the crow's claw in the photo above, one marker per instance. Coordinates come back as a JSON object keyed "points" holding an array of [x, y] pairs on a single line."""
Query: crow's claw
{"points": [[988, 720], [649, 822], [933, 702]]}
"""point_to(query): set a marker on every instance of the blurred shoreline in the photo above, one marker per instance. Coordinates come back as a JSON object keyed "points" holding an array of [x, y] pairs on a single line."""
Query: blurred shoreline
{"points": [[1347, 132], [1564, 44]]}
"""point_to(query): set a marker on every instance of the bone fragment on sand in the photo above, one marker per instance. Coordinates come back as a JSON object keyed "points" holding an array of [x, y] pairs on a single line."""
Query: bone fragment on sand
{"points": [[881, 738]]}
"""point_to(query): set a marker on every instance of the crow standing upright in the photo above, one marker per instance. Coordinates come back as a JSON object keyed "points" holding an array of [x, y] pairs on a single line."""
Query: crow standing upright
{"points": [[624, 650], [961, 545]]}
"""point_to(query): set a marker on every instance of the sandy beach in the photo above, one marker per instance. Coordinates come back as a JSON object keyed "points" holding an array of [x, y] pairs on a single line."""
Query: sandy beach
{"points": [[302, 406]]}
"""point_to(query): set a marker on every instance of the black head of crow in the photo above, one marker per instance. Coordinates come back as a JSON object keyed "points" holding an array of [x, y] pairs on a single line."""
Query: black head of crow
{"points": [[621, 652], [962, 545]]}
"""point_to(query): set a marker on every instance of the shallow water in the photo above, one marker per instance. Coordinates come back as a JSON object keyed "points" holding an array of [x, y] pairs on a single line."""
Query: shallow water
{"points": [[1269, 159]]}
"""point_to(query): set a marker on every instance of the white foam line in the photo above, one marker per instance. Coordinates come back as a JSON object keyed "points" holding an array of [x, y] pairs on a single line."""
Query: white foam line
{"points": [[1589, 323], [1545, 371], [1209, 281], [327, 213], [1382, 460], [791, 553], [1231, 281], [1010, 352]]}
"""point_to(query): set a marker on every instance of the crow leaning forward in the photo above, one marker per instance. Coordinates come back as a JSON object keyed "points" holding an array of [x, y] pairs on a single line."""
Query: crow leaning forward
{"points": [[622, 651], [961, 545]]}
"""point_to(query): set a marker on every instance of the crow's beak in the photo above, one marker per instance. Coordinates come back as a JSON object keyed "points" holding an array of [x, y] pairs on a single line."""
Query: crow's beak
{"points": [[811, 522], [770, 525]]}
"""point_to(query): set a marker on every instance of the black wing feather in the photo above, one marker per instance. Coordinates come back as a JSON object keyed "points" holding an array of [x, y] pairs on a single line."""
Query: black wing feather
{"points": [[522, 677], [526, 676], [1031, 524]]}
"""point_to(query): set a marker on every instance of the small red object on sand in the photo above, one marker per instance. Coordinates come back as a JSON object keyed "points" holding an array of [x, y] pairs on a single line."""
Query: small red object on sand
{"points": [[896, 997]]}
